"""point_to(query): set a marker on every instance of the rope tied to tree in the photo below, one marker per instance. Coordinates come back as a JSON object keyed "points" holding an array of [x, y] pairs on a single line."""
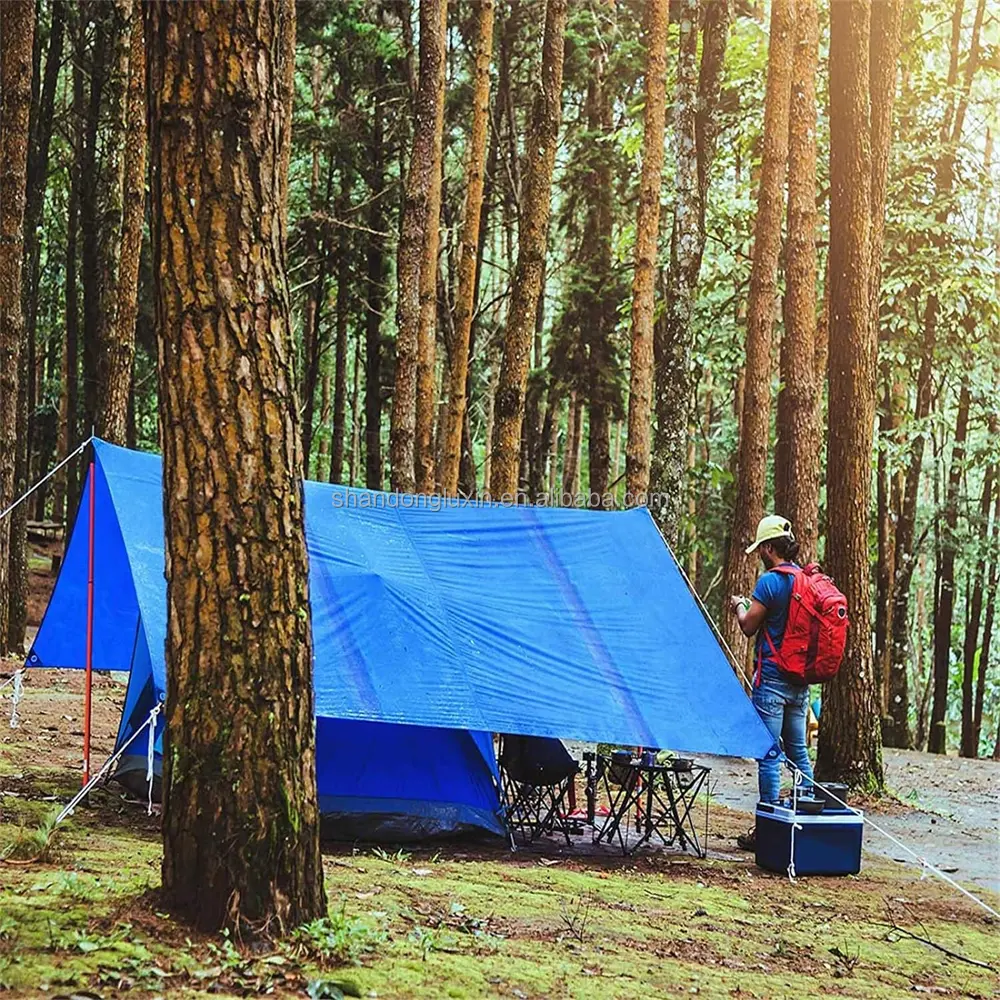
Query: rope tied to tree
{"points": [[150, 752], [17, 695]]}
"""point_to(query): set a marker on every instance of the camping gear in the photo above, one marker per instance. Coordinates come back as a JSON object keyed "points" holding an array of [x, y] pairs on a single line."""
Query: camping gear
{"points": [[815, 637], [829, 790], [825, 844], [809, 806], [659, 797], [432, 613], [537, 773]]}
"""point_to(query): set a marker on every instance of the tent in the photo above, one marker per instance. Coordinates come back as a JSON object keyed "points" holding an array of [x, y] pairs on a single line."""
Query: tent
{"points": [[447, 620]]}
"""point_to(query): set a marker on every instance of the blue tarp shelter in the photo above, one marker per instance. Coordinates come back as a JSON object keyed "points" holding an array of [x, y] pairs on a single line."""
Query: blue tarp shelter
{"points": [[449, 620]]}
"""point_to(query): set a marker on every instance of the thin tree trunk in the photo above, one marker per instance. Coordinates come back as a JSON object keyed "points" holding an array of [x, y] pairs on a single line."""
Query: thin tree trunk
{"points": [[375, 280], [133, 215], [37, 177], [241, 820], [470, 252], [850, 741], [755, 423], [951, 131], [17, 25], [695, 129], [323, 467], [937, 741], [355, 416], [121, 138], [599, 307], [921, 678], [972, 687], [797, 452], [341, 345], [425, 456], [527, 285], [571, 451], [416, 262], [885, 560]]}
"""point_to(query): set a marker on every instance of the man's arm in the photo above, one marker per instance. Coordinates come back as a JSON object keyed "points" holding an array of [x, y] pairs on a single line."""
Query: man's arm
{"points": [[750, 614]]}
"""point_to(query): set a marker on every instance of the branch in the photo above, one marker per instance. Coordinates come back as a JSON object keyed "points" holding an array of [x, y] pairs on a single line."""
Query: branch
{"points": [[896, 929]]}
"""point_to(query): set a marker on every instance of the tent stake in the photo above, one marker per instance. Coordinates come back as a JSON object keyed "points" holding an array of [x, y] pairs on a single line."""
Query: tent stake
{"points": [[89, 663]]}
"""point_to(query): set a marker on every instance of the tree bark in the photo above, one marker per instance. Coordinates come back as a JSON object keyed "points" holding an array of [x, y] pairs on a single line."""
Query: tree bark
{"points": [[341, 345], [972, 686], [850, 743], [755, 423], [797, 452], [375, 280], [116, 342], [469, 253], [17, 26], [695, 129], [598, 306], [937, 740], [416, 261], [241, 821], [133, 215], [951, 131], [647, 227], [527, 286]]}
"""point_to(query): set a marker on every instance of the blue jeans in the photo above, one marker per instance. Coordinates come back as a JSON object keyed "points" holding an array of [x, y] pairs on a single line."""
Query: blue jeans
{"points": [[784, 708]]}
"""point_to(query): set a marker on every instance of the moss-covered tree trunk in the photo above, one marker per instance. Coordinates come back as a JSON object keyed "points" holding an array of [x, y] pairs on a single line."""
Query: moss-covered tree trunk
{"points": [[241, 823], [797, 453], [17, 27], [695, 127], [543, 137], [469, 255], [416, 262], [755, 422], [850, 743], [637, 448]]}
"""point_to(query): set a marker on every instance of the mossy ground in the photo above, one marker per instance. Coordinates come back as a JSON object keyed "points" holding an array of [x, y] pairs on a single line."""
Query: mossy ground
{"points": [[468, 920]]}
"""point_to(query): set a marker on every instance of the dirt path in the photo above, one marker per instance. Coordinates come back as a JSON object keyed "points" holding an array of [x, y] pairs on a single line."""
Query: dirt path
{"points": [[951, 814]]}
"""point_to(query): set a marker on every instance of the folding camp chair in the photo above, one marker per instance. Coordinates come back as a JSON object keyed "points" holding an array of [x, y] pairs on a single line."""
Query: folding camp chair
{"points": [[536, 775]]}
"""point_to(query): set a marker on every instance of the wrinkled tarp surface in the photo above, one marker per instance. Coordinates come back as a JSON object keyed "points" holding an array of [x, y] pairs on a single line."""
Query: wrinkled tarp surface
{"points": [[550, 622]]}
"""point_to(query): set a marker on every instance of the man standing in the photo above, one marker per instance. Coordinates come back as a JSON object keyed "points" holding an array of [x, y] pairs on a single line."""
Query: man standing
{"points": [[781, 702]]}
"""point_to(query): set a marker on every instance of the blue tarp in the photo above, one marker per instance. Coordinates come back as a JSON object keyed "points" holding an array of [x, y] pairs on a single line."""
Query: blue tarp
{"points": [[549, 622]]}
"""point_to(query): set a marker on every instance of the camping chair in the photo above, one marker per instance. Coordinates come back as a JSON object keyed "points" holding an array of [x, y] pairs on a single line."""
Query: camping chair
{"points": [[536, 775]]}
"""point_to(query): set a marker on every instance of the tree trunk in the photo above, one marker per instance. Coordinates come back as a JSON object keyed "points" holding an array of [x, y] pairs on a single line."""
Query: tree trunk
{"points": [[117, 344], [17, 25], [571, 451], [850, 742], [133, 215], [991, 607], [416, 262], [425, 456], [375, 280], [341, 346], [647, 227], [971, 685], [469, 253], [527, 286], [599, 308], [241, 821], [754, 426], [38, 168], [951, 131], [695, 131], [937, 741], [797, 452]]}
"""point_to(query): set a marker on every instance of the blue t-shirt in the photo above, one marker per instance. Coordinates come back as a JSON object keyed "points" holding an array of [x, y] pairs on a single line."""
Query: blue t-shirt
{"points": [[774, 591]]}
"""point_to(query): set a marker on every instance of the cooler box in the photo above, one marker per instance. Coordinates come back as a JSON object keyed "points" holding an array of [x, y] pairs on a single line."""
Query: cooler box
{"points": [[826, 844]]}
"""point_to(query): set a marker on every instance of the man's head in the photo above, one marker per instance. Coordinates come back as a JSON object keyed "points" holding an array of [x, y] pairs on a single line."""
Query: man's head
{"points": [[775, 542]]}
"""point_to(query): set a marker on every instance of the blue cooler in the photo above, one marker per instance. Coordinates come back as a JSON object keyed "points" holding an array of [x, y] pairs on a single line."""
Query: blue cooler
{"points": [[828, 843]]}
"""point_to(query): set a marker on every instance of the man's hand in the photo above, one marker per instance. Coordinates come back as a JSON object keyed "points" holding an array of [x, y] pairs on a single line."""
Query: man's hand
{"points": [[736, 602]]}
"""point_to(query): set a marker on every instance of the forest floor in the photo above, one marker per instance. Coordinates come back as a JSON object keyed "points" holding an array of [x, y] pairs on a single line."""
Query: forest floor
{"points": [[458, 919]]}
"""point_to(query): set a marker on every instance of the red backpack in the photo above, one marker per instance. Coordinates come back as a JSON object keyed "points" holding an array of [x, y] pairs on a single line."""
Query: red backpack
{"points": [[812, 647]]}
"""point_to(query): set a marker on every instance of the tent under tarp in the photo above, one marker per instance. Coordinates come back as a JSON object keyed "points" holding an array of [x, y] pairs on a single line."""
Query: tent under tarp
{"points": [[432, 614]]}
